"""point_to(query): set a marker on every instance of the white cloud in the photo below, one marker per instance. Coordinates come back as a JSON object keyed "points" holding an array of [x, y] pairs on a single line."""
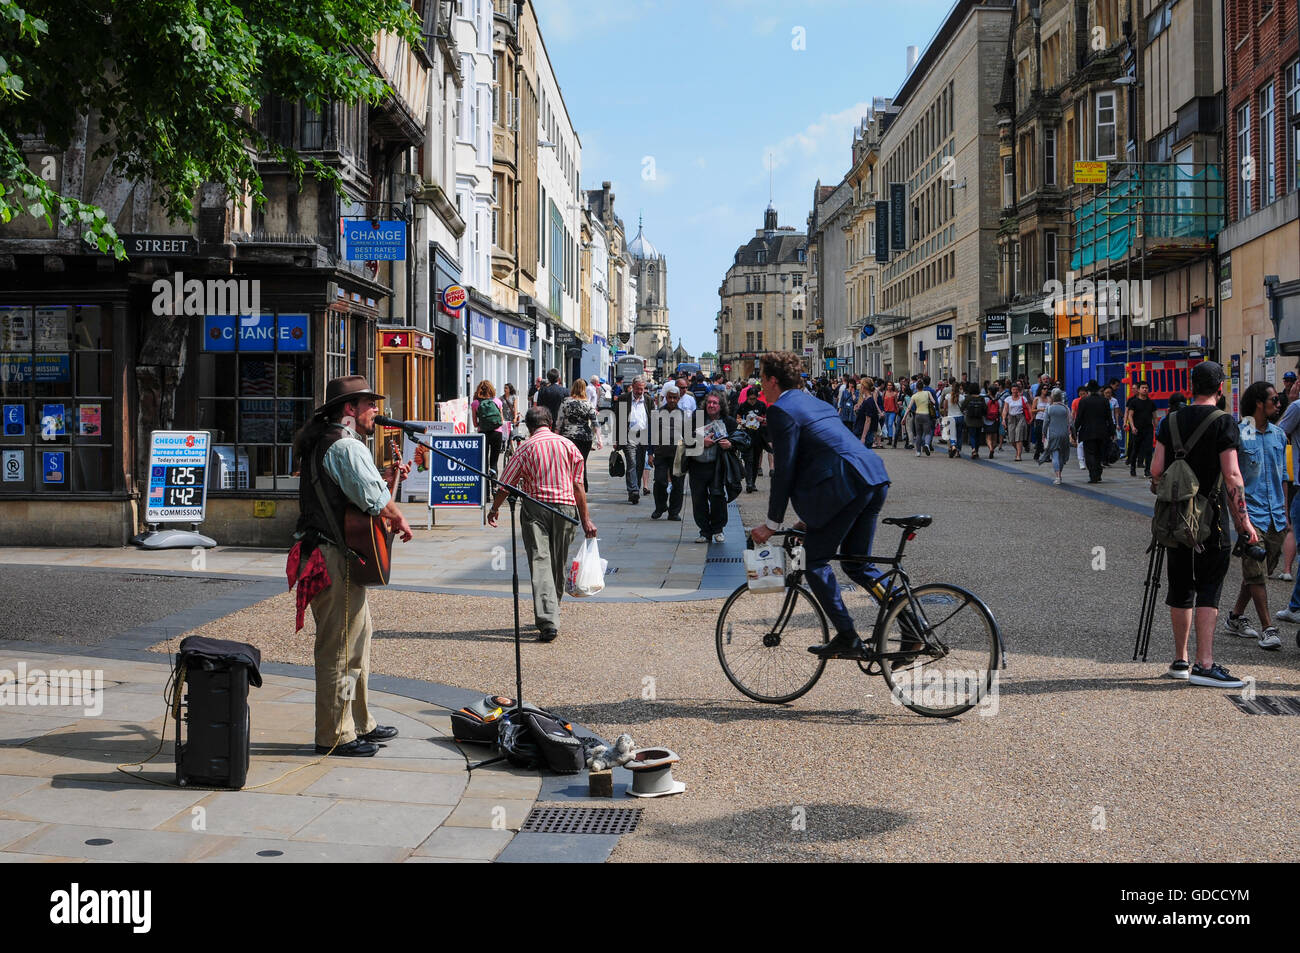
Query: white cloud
{"points": [[821, 150]]}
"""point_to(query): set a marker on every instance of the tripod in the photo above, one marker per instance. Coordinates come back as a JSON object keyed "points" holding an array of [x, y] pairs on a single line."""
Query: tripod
{"points": [[514, 495], [1150, 588]]}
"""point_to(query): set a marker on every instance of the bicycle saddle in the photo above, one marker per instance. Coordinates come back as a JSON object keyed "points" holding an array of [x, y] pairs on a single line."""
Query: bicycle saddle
{"points": [[909, 522]]}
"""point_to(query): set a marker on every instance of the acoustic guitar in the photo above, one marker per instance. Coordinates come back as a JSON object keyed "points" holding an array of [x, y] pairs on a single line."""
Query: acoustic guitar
{"points": [[369, 537]]}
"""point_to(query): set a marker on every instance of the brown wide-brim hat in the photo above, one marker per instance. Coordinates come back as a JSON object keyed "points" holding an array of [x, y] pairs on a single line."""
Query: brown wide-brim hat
{"points": [[342, 389]]}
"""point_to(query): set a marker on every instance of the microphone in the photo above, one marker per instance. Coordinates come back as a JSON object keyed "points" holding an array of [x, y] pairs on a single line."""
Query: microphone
{"points": [[406, 426]]}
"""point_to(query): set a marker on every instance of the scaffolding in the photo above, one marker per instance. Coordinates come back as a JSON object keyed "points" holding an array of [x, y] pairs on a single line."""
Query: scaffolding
{"points": [[1149, 218]]}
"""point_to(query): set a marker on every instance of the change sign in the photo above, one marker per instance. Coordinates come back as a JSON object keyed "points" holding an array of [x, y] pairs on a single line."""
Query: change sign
{"points": [[178, 484], [450, 484], [375, 241]]}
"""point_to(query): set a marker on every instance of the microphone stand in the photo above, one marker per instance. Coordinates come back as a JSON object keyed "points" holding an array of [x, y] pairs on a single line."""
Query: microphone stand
{"points": [[514, 494]]}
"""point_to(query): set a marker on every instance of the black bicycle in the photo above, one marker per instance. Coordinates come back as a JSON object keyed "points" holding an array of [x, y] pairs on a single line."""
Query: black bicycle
{"points": [[936, 645]]}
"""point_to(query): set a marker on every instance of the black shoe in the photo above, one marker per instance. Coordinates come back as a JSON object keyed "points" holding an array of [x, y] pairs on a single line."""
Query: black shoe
{"points": [[380, 733], [547, 633], [751, 489], [926, 448], [844, 645], [633, 498], [657, 514], [1147, 474], [1132, 473], [675, 517], [1098, 480], [356, 748]]}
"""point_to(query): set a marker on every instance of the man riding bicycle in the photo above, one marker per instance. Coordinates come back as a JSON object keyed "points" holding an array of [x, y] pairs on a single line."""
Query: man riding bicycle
{"points": [[837, 487]]}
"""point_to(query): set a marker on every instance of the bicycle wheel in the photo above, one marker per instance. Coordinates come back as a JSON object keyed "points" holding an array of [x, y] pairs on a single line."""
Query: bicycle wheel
{"points": [[954, 670], [763, 640]]}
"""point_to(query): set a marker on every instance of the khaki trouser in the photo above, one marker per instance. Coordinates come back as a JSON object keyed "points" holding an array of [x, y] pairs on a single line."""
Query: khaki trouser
{"points": [[547, 539], [341, 673]]}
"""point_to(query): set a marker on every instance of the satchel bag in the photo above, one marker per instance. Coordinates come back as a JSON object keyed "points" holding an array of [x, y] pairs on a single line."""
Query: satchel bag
{"points": [[617, 467]]}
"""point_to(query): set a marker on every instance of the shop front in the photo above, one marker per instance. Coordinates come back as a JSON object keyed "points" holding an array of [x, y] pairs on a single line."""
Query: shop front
{"points": [[447, 327], [65, 445], [997, 344], [1032, 344], [933, 350], [501, 350]]}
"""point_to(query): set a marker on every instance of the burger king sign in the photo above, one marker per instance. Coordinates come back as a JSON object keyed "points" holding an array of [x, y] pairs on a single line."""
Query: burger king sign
{"points": [[453, 297]]}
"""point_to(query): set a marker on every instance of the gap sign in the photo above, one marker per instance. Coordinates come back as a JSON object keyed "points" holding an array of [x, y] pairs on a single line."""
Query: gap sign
{"points": [[374, 241]]}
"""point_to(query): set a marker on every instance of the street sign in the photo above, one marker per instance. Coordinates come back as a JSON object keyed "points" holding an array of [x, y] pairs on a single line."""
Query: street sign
{"points": [[469, 362], [178, 483], [375, 241], [1090, 173]]}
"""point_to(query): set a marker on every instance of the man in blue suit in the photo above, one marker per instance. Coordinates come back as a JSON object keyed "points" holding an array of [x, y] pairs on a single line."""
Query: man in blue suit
{"points": [[837, 487]]}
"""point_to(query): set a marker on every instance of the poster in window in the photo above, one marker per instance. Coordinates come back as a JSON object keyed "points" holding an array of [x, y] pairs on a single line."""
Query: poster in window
{"points": [[14, 466], [54, 422], [15, 418], [15, 329], [53, 469], [89, 420], [52, 329]]}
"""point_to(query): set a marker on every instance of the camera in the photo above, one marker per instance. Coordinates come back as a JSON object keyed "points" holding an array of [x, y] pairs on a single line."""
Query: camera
{"points": [[1244, 549]]}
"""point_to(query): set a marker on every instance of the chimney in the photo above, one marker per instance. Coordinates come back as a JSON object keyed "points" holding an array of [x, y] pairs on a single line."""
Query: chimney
{"points": [[912, 53]]}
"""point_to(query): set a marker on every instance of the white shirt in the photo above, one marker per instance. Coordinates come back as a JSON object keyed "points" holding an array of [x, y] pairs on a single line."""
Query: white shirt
{"points": [[637, 417]]}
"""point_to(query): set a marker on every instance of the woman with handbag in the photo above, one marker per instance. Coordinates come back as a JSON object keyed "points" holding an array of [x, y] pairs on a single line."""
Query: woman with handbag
{"points": [[578, 422], [1015, 414]]}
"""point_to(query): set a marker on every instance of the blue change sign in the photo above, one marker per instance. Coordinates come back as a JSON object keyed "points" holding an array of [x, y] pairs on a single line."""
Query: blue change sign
{"points": [[449, 483], [374, 241], [226, 332], [511, 336]]}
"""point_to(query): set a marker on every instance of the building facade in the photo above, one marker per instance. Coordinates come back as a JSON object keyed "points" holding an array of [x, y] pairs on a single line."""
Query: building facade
{"points": [[1259, 248], [650, 268], [938, 165], [763, 297]]}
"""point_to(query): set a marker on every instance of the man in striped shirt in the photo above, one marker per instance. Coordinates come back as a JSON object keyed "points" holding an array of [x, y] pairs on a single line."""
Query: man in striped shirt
{"points": [[548, 467]]}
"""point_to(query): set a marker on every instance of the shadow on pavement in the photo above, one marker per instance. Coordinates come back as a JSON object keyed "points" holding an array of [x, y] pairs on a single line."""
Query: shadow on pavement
{"points": [[793, 833], [634, 711]]}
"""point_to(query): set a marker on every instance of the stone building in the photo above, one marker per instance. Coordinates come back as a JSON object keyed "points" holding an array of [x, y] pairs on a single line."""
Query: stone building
{"points": [[763, 297], [872, 349], [1261, 240], [101, 347], [651, 271], [938, 170], [830, 245]]}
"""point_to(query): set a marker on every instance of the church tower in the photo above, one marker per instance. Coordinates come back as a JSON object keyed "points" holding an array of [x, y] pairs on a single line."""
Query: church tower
{"points": [[651, 270]]}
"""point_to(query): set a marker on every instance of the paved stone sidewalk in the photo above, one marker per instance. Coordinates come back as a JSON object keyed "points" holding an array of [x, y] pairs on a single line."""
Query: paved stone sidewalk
{"points": [[62, 797], [647, 559]]}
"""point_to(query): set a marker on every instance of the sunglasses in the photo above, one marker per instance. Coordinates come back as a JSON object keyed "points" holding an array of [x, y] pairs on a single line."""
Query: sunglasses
{"points": [[1275, 399]]}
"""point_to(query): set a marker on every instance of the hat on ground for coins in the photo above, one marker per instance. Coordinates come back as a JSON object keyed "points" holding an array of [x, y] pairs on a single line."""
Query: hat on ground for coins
{"points": [[652, 773], [341, 389]]}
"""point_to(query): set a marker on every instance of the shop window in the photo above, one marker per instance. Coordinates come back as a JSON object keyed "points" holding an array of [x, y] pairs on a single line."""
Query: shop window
{"points": [[57, 388], [255, 392]]}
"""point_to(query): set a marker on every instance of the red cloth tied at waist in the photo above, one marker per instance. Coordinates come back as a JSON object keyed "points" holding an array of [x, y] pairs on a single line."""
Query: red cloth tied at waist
{"points": [[310, 579]]}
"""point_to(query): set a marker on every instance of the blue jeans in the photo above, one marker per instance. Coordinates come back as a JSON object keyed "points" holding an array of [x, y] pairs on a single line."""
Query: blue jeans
{"points": [[1294, 605], [890, 417], [850, 531]]}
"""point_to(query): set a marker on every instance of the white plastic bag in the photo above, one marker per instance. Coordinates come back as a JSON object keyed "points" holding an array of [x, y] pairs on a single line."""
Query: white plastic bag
{"points": [[587, 571], [765, 567]]}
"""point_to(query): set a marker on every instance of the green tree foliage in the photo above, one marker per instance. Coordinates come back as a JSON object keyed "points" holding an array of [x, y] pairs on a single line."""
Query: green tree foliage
{"points": [[173, 85]]}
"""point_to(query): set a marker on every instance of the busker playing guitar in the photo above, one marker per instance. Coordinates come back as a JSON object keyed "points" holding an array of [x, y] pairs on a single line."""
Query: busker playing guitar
{"points": [[337, 470]]}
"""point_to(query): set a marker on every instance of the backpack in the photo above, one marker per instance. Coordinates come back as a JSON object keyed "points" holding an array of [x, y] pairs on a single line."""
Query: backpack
{"points": [[489, 415], [1183, 515], [976, 408]]}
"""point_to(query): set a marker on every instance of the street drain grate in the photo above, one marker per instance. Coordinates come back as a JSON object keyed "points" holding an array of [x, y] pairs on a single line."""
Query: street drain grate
{"points": [[1268, 704], [582, 820], [724, 559]]}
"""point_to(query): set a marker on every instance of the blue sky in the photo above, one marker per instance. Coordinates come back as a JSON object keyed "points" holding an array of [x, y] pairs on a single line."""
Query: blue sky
{"points": [[708, 89]]}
